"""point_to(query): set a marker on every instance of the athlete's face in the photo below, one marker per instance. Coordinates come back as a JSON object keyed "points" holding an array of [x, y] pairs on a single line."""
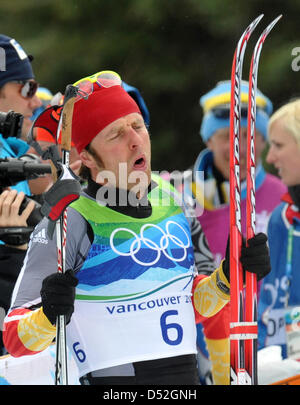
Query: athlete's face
{"points": [[124, 152], [219, 144], [284, 153]]}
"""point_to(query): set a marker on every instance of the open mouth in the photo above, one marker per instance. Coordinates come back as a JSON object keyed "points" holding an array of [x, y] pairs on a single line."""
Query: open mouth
{"points": [[140, 163]]}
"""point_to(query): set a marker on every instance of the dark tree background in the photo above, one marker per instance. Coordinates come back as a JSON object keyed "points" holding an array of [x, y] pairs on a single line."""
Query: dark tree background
{"points": [[172, 50]]}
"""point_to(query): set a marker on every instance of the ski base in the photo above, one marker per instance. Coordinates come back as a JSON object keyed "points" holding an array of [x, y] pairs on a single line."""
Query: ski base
{"points": [[241, 377]]}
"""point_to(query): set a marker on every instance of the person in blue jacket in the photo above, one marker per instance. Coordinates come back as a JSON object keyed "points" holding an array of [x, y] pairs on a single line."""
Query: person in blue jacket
{"points": [[17, 93], [279, 302]]}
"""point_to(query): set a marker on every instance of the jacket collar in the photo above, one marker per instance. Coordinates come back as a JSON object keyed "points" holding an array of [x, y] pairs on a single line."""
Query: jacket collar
{"points": [[292, 212], [203, 175]]}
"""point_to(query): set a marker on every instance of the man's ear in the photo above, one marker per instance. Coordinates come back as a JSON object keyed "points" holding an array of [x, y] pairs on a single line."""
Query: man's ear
{"points": [[87, 159], [209, 144]]}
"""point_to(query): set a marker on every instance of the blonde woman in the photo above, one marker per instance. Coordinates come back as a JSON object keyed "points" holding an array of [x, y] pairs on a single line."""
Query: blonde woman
{"points": [[279, 302]]}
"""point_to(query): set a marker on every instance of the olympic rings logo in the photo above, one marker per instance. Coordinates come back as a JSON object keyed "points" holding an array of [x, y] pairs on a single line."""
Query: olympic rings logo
{"points": [[163, 246]]}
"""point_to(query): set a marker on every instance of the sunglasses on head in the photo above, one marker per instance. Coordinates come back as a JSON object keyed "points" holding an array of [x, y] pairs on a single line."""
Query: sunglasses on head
{"points": [[29, 87], [106, 78]]}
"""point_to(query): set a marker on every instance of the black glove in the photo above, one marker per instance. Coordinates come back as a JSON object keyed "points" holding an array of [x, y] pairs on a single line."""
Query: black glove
{"points": [[58, 295], [255, 258]]}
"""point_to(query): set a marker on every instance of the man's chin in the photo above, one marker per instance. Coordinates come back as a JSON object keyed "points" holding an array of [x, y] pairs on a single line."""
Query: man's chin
{"points": [[142, 177], [27, 124], [138, 188]]}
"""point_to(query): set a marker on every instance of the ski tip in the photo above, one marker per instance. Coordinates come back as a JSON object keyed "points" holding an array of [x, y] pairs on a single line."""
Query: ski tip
{"points": [[271, 25], [248, 31], [254, 23], [277, 18], [257, 19]]}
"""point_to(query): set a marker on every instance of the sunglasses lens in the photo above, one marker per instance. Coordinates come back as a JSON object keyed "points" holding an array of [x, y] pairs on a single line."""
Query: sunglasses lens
{"points": [[244, 112], [85, 88], [221, 112], [108, 79], [29, 89]]}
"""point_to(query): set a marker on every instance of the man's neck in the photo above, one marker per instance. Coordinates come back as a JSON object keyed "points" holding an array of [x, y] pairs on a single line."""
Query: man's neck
{"points": [[121, 200]]}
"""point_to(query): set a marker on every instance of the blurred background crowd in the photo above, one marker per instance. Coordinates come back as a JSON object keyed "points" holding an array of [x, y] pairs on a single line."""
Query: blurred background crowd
{"points": [[173, 51]]}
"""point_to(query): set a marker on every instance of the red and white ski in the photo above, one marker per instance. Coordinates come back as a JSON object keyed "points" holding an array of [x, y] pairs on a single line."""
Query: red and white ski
{"points": [[243, 321], [251, 282]]}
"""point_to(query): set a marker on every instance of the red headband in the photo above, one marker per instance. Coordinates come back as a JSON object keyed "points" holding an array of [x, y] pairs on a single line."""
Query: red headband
{"points": [[101, 108]]}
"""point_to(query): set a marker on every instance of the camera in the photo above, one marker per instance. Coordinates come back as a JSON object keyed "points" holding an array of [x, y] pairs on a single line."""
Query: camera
{"points": [[12, 171], [27, 167], [11, 124]]}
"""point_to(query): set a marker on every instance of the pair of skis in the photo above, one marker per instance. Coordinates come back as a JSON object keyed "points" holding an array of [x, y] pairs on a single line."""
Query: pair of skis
{"points": [[243, 321]]}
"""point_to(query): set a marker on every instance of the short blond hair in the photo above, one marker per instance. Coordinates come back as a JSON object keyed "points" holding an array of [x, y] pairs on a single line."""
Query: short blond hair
{"points": [[290, 113]]}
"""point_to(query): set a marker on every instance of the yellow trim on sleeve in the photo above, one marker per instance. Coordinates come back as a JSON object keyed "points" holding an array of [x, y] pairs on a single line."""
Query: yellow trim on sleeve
{"points": [[35, 331], [223, 278], [208, 298], [219, 354]]}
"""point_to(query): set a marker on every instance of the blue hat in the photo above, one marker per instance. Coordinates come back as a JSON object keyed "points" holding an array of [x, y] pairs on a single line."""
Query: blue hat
{"points": [[220, 97], [15, 63], [136, 95]]}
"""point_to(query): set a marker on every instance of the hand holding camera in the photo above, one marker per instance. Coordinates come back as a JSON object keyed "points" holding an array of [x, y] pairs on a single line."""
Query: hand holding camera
{"points": [[13, 220], [10, 203]]}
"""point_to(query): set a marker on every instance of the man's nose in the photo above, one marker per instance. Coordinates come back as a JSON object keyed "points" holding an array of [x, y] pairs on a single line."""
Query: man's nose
{"points": [[35, 102], [134, 138]]}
